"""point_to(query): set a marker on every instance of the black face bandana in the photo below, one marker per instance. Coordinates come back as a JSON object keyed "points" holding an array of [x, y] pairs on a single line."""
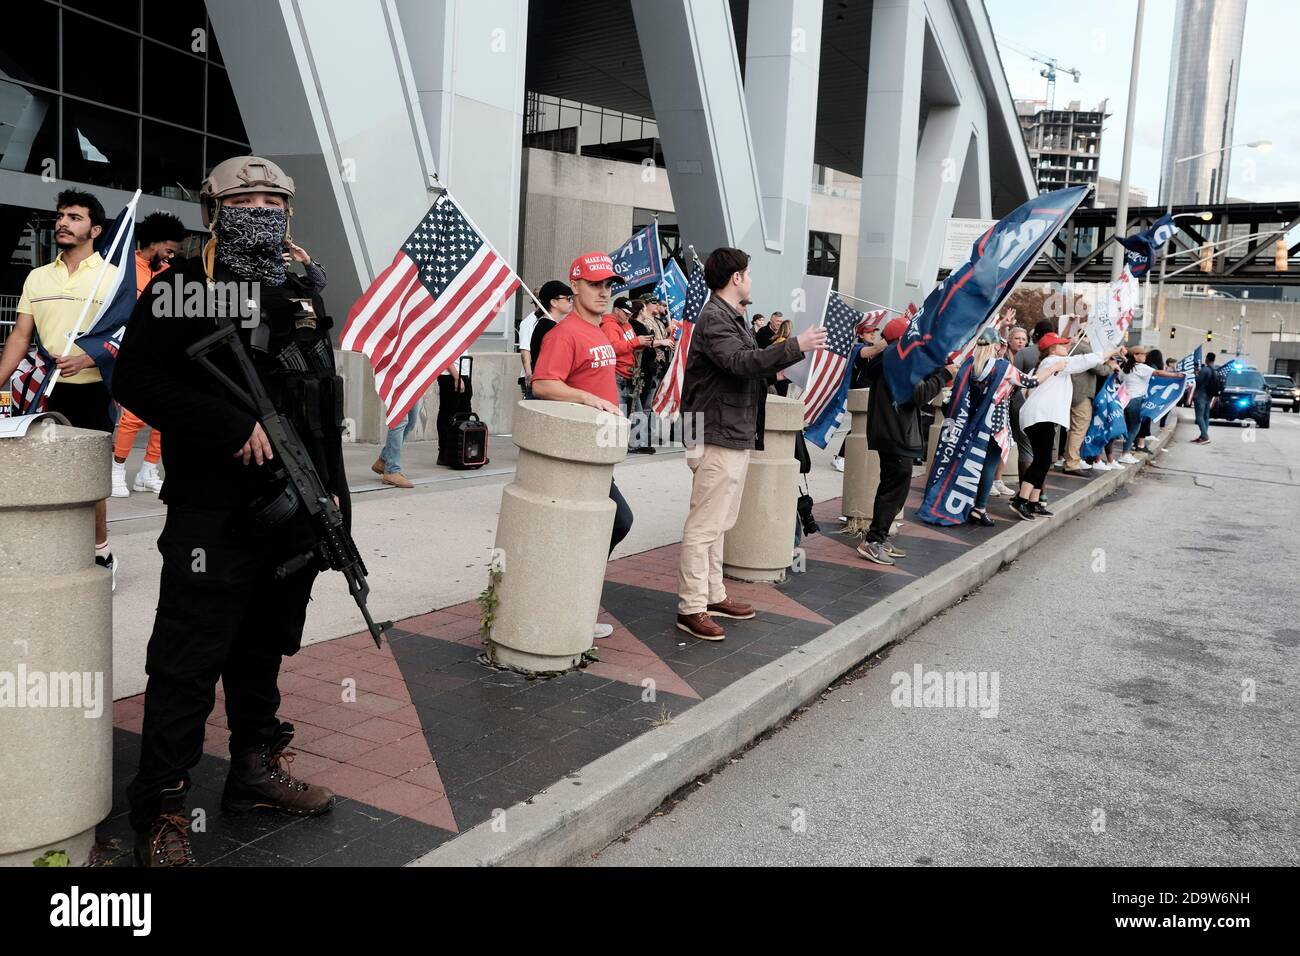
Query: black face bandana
{"points": [[250, 242]]}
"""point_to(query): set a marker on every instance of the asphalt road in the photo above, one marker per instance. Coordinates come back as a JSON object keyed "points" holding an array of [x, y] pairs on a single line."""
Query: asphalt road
{"points": [[1147, 705]]}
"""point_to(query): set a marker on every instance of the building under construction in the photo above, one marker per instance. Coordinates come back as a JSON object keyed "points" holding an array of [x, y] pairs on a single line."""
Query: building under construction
{"points": [[1064, 145]]}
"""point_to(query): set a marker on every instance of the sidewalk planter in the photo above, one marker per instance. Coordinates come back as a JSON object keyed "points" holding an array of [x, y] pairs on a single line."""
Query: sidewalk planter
{"points": [[56, 686], [758, 548], [553, 535]]}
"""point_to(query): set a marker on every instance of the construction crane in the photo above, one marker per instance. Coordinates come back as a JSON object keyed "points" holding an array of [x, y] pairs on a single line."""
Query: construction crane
{"points": [[1049, 70]]}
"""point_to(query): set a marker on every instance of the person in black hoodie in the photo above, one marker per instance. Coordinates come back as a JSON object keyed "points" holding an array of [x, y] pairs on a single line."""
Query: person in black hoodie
{"points": [[893, 433], [222, 612]]}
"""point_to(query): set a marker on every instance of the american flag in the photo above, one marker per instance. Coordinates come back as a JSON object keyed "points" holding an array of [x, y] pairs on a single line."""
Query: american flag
{"points": [[828, 366], [668, 399], [422, 312], [27, 385]]}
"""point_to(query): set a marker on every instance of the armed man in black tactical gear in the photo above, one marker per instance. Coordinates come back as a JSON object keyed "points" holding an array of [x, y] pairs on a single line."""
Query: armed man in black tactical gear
{"points": [[223, 613]]}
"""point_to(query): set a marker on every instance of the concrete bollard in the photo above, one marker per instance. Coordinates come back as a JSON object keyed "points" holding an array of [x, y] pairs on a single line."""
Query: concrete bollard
{"points": [[861, 466], [1012, 470], [56, 657], [553, 534], [758, 548]]}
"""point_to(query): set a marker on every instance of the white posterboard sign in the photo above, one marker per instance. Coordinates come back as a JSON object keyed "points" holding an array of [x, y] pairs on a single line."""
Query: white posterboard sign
{"points": [[814, 293], [958, 237]]}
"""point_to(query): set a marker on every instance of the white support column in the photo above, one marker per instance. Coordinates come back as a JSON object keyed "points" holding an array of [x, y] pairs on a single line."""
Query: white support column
{"points": [[467, 60], [890, 150], [737, 181]]}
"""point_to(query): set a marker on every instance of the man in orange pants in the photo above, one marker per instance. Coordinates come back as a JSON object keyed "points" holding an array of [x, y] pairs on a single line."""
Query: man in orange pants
{"points": [[160, 236]]}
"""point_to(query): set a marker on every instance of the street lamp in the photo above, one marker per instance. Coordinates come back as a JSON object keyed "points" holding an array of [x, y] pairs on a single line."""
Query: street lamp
{"points": [[1263, 145]]}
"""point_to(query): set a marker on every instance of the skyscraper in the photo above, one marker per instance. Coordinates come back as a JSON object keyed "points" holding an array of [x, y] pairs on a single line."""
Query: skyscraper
{"points": [[1204, 73]]}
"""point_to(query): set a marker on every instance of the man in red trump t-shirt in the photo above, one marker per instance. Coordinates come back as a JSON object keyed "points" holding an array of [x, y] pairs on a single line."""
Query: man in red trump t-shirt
{"points": [[578, 362]]}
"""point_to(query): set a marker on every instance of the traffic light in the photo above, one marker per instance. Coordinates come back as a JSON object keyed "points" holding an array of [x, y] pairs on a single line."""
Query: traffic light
{"points": [[1209, 336], [1172, 330], [1207, 258], [1280, 256]]}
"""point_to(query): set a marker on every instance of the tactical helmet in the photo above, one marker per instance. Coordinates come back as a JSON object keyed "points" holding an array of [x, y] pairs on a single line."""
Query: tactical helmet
{"points": [[238, 175]]}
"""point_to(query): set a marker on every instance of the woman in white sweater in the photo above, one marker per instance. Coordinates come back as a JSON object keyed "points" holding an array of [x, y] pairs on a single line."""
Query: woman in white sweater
{"points": [[1048, 406]]}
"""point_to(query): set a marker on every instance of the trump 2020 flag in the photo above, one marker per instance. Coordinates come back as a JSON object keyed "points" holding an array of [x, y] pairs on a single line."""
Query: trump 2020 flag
{"points": [[1140, 249], [104, 337], [1162, 395], [1107, 418], [637, 260], [962, 303], [672, 289]]}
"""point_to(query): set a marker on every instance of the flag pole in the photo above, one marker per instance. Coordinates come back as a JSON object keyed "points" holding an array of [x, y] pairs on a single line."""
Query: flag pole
{"points": [[436, 185], [845, 295], [90, 297]]}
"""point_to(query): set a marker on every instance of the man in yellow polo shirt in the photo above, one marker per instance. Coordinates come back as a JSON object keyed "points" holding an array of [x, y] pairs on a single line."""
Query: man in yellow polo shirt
{"points": [[53, 298]]}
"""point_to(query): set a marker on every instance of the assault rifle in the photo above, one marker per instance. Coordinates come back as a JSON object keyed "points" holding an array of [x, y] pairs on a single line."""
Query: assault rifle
{"points": [[334, 550]]}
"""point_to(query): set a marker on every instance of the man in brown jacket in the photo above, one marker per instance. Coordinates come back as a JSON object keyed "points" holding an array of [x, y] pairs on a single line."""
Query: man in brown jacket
{"points": [[723, 392]]}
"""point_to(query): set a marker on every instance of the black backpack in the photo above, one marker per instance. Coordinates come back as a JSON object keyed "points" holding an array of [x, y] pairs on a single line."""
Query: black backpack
{"points": [[1217, 380]]}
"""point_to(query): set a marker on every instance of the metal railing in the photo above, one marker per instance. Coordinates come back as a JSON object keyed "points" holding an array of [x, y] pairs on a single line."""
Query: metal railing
{"points": [[8, 315]]}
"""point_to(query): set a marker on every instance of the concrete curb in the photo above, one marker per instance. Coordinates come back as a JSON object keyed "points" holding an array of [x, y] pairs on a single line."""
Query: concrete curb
{"points": [[586, 811]]}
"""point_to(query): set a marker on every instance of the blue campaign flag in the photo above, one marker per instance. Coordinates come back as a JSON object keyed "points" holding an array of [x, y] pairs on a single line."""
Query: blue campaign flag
{"points": [[1162, 395], [1140, 249], [1107, 418], [672, 289], [102, 340], [1190, 364], [637, 260], [960, 306]]}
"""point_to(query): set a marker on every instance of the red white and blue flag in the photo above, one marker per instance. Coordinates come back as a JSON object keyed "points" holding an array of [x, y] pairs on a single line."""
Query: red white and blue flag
{"points": [[442, 289], [667, 402], [828, 370]]}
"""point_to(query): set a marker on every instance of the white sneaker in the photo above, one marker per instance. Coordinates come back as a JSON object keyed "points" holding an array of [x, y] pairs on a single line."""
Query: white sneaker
{"points": [[108, 561], [1000, 488], [1059, 463], [148, 479], [1084, 466], [119, 481], [1127, 459], [837, 463], [602, 630]]}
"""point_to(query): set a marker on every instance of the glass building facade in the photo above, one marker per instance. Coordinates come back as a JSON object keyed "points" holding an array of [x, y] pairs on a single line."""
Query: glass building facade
{"points": [[120, 94]]}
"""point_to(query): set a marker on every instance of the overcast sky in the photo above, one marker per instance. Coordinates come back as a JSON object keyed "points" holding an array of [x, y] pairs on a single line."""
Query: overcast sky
{"points": [[1097, 38]]}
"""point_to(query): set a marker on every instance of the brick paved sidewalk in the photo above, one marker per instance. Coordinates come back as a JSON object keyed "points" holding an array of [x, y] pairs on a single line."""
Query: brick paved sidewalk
{"points": [[435, 741]]}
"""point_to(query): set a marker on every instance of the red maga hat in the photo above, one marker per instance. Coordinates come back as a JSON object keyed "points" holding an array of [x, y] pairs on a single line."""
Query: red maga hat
{"points": [[1050, 339], [593, 267], [894, 329]]}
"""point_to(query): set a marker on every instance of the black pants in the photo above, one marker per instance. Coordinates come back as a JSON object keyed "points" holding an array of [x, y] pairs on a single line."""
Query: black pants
{"points": [[84, 406], [450, 402], [891, 494], [1042, 436], [221, 615], [622, 517]]}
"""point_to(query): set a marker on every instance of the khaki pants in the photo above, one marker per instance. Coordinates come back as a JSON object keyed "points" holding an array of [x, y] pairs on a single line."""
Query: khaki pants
{"points": [[1080, 418], [715, 504]]}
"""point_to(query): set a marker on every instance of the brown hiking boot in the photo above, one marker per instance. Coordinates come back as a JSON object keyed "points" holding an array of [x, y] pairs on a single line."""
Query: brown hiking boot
{"points": [[378, 466], [260, 780], [397, 480], [167, 841], [732, 609], [700, 625]]}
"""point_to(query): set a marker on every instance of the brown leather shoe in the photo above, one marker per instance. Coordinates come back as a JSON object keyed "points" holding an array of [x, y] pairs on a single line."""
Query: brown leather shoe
{"points": [[700, 625], [167, 841], [260, 780], [378, 466], [732, 609], [396, 479]]}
